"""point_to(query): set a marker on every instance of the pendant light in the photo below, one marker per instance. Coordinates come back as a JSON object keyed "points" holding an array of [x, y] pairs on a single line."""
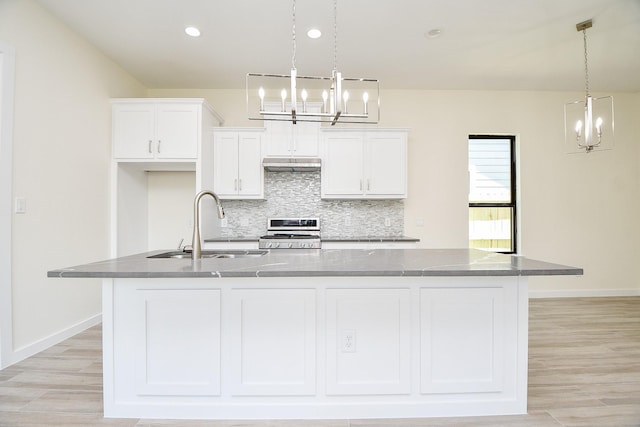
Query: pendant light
{"points": [[295, 98], [589, 122]]}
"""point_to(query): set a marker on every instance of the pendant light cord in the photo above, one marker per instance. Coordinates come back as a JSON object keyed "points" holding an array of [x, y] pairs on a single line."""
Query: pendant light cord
{"points": [[293, 36], [335, 35], [586, 67]]}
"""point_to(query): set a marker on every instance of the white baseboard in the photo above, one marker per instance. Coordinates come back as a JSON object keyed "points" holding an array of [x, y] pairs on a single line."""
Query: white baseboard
{"points": [[53, 339], [585, 293]]}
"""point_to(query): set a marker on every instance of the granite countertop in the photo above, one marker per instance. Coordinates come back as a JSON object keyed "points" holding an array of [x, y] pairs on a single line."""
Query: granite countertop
{"points": [[324, 262], [324, 239]]}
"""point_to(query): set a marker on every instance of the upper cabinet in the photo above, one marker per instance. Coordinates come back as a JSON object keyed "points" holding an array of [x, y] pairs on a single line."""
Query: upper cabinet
{"points": [[284, 139], [364, 164], [237, 163], [157, 134], [159, 129]]}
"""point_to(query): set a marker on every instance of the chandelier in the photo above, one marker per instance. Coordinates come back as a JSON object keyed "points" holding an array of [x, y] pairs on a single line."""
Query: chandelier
{"points": [[333, 99], [589, 121]]}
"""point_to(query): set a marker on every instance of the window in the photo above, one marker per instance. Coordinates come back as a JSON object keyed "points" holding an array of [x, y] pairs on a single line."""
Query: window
{"points": [[492, 193]]}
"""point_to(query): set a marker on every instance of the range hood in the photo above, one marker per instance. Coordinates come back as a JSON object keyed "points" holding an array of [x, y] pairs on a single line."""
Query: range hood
{"points": [[291, 164]]}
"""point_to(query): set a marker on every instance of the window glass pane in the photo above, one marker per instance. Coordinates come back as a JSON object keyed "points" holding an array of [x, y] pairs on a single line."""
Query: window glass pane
{"points": [[489, 170], [491, 228]]}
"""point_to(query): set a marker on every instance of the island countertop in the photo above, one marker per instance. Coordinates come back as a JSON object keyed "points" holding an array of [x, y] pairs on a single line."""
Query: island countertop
{"points": [[324, 262]]}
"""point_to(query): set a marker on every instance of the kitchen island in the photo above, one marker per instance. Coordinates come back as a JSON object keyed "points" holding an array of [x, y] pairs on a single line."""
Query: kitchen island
{"points": [[316, 334]]}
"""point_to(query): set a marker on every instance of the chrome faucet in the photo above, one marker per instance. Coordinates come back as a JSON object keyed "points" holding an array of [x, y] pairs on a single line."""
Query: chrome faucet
{"points": [[196, 243]]}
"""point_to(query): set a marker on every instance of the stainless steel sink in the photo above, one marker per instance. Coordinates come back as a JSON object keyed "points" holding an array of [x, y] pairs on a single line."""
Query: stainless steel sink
{"points": [[212, 254]]}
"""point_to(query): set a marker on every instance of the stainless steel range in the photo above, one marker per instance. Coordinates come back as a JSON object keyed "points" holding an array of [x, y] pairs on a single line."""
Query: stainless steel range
{"points": [[291, 233]]}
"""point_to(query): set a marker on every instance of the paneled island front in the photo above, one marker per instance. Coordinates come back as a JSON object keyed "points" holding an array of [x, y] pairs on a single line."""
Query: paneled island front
{"points": [[316, 334]]}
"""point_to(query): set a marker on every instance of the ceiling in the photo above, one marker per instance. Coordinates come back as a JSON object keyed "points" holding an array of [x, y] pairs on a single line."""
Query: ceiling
{"points": [[484, 44]]}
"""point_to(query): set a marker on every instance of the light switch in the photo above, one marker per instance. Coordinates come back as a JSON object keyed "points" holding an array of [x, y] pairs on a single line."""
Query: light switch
{"points": [[20, 205]]}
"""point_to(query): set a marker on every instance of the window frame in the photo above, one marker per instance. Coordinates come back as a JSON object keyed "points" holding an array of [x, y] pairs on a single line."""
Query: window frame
{"points": [[513, 193]]}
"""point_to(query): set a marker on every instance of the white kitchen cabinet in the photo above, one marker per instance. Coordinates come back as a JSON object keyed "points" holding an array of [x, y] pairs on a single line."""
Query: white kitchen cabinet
{"points": [[362, 164], [225, 348], [284, 139], [160, 130], [157, 135], [237, 164]]}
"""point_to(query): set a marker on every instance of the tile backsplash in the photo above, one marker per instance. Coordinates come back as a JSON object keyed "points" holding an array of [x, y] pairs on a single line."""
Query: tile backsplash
{"points": [[297, 194]]}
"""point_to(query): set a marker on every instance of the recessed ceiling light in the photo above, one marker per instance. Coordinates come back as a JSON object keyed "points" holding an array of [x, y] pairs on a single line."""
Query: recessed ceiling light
{"points": [[192, 31], [314, 33], [432, 34]]}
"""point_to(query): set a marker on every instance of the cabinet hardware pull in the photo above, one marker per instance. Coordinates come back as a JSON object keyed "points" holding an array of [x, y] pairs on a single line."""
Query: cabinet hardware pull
{"points": [[235, 184], [159, 142], [240, 184], [360, 185], [150, 142], [368, 184]]}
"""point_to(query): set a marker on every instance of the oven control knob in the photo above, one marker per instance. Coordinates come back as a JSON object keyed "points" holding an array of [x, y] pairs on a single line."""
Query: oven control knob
{"points": [[277, 244], [290, 245]]}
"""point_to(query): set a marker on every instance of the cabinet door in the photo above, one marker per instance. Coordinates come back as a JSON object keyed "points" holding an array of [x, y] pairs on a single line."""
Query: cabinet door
{"points": [[279, 139], [305, 139], [250, 170], [468, 339], [177, 131], [225, 169], [342, 168], [133, 131], [177, 342], [386, 163], [284, 139]]}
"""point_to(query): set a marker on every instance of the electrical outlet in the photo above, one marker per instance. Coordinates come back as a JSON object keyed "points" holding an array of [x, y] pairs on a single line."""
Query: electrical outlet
{"points": [[347, 221], [20, 205], [387, 222], [244, 222], [223, 222], [348, 341]]}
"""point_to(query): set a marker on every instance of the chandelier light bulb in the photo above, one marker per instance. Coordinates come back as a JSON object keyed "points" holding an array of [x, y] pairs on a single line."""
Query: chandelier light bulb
{"points": [[283, 95], [365, 101], [599, 128], [303, 95], [578, 129], [345, 96], [261, 95], [325, 96]]}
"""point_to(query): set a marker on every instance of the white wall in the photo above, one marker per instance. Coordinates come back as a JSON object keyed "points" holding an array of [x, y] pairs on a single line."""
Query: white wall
{"points": [[170, 205], [576, 209], [61, 153]]}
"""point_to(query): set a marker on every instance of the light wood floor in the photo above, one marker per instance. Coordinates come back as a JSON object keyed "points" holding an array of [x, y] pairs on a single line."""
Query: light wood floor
{"points": [[584, 370]]}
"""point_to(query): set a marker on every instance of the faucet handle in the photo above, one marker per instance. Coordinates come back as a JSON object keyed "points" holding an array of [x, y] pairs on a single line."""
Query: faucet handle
{"points": [[180, 247]]}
